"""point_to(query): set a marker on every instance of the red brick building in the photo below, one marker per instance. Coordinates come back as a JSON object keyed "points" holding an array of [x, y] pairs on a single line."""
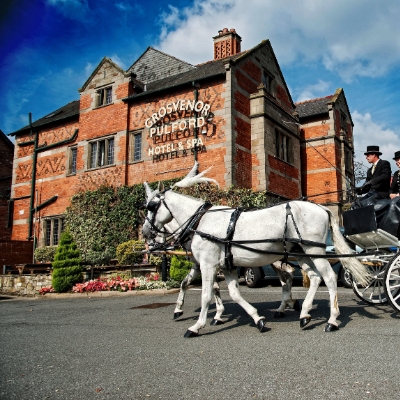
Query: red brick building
{"points": [[150, 122]]}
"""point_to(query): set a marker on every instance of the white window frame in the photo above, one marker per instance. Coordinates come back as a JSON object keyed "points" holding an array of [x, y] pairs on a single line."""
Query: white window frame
{"points": [[101, 153], [104, 96], [135, 146], [283, 146], [72, 161], [53, 227]]}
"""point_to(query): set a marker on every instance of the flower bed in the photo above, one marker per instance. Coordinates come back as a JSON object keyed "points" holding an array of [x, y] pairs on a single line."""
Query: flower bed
{"points": [[148, 282]]}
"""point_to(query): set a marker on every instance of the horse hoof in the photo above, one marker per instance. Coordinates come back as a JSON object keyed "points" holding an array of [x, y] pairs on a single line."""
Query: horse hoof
{"points": [[261, 326], [330, 327], [178, 314], [296, 305], [279, 314], [215, 322], [304, 321], [189, 334]]}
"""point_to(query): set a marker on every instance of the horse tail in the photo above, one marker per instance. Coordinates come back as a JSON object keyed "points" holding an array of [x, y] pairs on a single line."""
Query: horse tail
{"points": [[359, 271], [306, 279]]}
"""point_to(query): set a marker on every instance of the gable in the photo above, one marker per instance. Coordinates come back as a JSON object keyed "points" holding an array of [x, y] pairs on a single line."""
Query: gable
{"points": [[107, 70], [154, 65]]}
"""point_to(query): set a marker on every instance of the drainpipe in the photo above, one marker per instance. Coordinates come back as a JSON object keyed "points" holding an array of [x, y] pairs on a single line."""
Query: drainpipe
{"points": [[33, 184], [36, 150]]}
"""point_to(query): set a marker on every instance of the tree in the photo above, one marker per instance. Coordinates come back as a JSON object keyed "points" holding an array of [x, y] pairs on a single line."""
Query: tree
{"points": [[67, 270], [360, 171]]}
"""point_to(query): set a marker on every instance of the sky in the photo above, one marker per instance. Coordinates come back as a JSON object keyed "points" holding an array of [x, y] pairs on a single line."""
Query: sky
{"points": [[48, 48]]}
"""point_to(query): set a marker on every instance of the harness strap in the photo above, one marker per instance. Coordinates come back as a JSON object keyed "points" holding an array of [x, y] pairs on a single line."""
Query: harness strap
{"points": [[228, 240], [240, 243], [192, 223]]}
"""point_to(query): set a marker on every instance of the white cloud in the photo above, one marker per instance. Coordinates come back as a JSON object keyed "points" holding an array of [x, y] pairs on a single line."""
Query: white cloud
{"points": [[89, 67], [117, 60], [313, 91], [74, 9], [368, 132], [352, 38]]}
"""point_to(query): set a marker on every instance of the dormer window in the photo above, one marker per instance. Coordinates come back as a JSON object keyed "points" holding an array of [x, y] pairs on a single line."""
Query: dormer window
{"points": [[104, 96]]}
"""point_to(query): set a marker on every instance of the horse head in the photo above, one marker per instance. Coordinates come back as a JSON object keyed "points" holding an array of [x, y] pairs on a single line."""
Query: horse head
{"points": [[158, 214]]}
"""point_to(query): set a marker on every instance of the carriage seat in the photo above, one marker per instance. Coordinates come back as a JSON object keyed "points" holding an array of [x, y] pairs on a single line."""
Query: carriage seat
{"points": [[361, 228]]}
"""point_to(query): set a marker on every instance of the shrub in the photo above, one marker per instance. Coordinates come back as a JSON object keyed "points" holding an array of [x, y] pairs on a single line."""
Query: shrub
{"points": [[67, 270], [180, 267], [129, 253], [45, 254]]}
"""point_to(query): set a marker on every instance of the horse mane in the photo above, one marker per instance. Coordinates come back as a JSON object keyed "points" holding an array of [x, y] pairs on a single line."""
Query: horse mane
{"points": [[193, 177]]}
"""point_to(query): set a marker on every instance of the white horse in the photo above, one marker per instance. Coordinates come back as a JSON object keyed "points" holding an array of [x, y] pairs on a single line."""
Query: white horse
{"points": [[283, 270], [260, 237]]}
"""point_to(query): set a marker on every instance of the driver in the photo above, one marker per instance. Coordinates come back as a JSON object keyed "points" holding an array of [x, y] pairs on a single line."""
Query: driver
{"points": [[377, 183]]}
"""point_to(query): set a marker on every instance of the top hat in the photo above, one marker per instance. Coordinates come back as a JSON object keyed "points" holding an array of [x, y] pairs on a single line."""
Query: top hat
{"points": [[396, 155], [373, 149]]}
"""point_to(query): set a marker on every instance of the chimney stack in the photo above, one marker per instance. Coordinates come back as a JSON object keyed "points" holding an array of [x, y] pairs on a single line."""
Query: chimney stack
{"points": [[226, 44]]}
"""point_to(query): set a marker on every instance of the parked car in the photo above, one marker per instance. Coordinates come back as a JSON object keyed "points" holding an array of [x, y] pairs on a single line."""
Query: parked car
{"points": [[254, 275]]}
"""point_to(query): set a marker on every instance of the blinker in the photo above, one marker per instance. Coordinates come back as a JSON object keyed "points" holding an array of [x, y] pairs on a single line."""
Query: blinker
{"points": [[152, 205]]}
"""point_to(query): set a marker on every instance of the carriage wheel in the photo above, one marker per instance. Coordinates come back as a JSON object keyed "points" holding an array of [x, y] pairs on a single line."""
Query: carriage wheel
{"points": [[392, 282], [374, 292]]}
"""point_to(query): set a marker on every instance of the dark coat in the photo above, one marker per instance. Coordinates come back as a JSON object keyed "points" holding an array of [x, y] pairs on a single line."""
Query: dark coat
{"points": [[395, 186], [380, 180]]}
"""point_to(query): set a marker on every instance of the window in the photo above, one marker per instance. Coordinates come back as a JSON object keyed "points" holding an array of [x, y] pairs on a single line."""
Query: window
{"points": [[135, 147], [104, 96], [101, 153], [53, 227], [343, 121], [267, 80], [73, 152], [348, 160], [283, 147]]}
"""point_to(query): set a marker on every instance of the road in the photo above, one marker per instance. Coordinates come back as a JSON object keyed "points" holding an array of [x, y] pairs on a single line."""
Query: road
{"points": [[92, 347]]}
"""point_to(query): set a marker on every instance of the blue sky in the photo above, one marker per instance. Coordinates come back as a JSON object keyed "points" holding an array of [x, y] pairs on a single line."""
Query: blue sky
{"points": [[48, 49]]}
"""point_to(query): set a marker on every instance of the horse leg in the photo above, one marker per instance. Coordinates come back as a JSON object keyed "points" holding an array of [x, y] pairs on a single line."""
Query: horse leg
{"points": [[218, 304], [189, 278], [234, 293], [207, 281], [315, 279], [330, 280], [285, 274]]}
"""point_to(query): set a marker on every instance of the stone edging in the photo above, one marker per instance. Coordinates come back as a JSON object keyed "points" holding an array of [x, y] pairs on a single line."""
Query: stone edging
{"points": [[111, 293]]}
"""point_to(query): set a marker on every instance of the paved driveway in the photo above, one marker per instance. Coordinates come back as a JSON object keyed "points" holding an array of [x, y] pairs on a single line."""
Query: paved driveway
{"points": [[107, 348]]}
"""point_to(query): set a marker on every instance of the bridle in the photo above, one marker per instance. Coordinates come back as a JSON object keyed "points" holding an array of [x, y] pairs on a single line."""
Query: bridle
{"points": [[153, 206], [185, 230]]}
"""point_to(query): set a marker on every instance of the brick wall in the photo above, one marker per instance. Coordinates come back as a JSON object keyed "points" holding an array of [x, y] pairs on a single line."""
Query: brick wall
{"points": [[15, 252]]}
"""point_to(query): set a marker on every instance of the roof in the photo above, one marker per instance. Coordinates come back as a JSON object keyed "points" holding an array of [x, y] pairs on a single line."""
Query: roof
{"points": [[154, 65], [69, 110], [312, 107], [160, 71], [203, 71]]}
